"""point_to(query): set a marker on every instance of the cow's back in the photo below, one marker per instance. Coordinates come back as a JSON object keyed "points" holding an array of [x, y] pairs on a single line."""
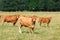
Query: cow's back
{"points": [[25, 21]]}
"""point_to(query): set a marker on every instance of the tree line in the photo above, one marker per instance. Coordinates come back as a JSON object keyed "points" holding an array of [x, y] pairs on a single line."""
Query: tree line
{"points": [[30, 5]]}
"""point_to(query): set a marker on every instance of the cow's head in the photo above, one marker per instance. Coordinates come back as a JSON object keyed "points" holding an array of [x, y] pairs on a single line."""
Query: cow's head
{"points": [[17, 15], [34, 18]]}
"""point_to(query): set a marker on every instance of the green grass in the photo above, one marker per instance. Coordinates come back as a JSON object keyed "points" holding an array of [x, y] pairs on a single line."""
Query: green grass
{"points": [[10, 32]]}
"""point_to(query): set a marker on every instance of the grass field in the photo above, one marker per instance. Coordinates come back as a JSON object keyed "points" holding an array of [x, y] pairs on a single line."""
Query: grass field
{"points": [[10, 32]]}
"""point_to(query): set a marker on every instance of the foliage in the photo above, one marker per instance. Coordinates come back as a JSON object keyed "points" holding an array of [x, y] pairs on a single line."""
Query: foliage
{"points": [[30, 5]]}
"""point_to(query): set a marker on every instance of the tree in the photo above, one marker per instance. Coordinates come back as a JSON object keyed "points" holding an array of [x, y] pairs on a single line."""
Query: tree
{"points": [[30, 5]]}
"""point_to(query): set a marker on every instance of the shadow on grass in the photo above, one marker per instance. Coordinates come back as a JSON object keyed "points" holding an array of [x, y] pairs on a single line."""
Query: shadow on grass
{"points": [[25, 32], [36, 33], [30, 32]]}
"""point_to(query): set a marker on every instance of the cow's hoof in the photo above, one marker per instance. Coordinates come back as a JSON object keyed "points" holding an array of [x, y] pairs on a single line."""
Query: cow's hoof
{"points": [[20, 32]]}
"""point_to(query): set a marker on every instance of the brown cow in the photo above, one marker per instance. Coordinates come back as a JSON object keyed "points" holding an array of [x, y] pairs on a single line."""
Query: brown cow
{"points": [[27, 22], [44, 20], [9, 18]]}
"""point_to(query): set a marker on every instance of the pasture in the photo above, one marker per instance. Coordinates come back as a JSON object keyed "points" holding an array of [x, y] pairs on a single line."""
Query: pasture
{"points": [[10, 32]]}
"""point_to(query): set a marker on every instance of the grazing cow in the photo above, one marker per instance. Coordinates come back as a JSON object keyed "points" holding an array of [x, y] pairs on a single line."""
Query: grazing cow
{"points": [[9, 18], [27, 22], [44, 20]]}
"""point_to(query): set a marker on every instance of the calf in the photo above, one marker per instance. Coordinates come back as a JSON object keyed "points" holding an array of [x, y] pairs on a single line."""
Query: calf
{"points": [[44, 20]]}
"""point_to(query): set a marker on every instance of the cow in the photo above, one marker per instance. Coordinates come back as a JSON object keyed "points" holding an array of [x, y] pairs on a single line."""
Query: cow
{"points": [[27, 22], [10, 18], [44, 20]]}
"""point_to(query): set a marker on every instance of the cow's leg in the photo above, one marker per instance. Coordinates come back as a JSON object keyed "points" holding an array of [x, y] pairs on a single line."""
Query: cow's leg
{"points": [[40, 23], [20, 29], [32, 29], [47, 24], [14, 23], [19, 26], [2, 22]]}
